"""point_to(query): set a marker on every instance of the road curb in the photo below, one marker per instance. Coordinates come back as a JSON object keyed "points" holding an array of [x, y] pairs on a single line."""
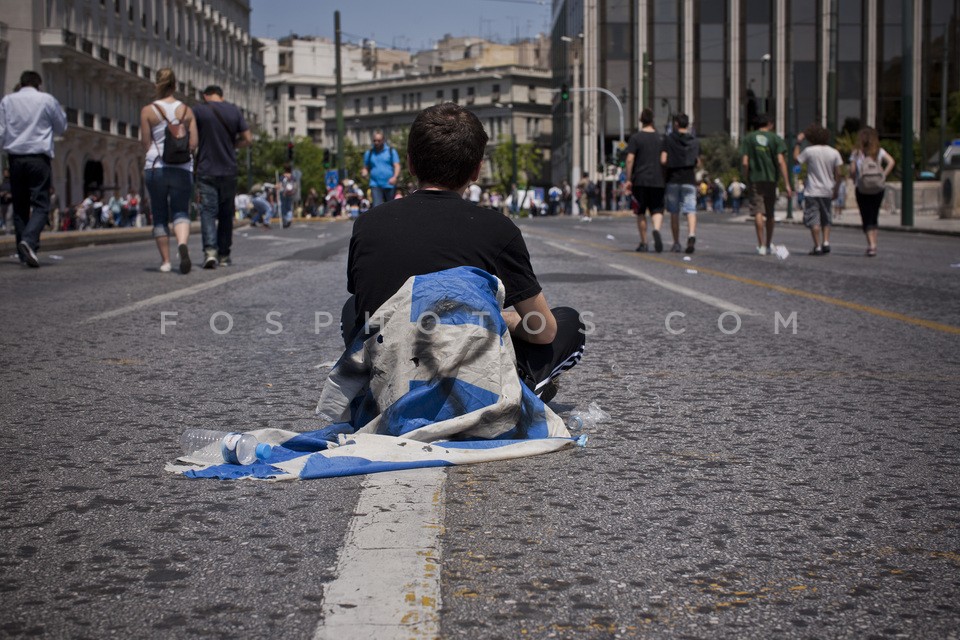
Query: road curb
{"points": [[60, 240]]}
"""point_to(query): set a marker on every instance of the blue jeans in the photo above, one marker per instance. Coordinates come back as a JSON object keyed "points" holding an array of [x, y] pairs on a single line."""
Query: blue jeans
{"points": [[262, 211], [382, 194], [216, 211], [286, 208], [30, 188], [169, 190], [680, 198]]}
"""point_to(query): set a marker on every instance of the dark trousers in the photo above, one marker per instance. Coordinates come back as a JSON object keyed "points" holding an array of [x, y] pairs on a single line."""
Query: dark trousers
{"points": [[30, 187], [537, 364], [217, 194]]}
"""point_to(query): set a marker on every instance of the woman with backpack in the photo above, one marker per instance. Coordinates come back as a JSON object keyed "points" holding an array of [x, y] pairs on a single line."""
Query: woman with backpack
{"points": [[869, 167], [168, 132]]}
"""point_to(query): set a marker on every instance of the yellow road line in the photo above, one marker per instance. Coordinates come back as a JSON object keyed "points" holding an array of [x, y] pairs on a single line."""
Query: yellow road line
{"points": [[883, 313]]}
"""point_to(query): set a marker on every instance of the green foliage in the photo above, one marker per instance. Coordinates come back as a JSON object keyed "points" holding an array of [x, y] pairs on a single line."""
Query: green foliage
{"points": [[529, 164], [721, 159]]}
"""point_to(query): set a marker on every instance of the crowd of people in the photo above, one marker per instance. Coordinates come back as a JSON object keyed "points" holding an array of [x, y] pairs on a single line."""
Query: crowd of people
{"points": [[661, 177]]}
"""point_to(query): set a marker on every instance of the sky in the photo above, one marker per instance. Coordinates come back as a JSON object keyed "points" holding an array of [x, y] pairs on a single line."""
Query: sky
{"points": [[401, 24]]}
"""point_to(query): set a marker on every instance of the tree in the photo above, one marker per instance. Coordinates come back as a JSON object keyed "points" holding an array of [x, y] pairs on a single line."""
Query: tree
{"points": [[529, 163], [721, 159]]}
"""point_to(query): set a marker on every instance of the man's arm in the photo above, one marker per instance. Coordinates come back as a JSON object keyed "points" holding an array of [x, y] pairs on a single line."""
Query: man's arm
{"points": [[58, 117], [245, 139], [532, 321], [628, 171], [396, 169], [786, 175]]}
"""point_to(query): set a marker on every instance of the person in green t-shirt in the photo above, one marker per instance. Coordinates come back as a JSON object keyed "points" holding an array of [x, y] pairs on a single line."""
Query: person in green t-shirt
{"points": [[762, 152]]}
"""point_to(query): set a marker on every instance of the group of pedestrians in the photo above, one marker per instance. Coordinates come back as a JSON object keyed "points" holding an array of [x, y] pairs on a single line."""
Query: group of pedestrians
{"points": [[174, 136], [660, 173]]}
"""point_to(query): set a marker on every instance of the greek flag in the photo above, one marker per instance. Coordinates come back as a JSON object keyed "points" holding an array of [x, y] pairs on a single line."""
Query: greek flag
{"points": [[431, 381]]}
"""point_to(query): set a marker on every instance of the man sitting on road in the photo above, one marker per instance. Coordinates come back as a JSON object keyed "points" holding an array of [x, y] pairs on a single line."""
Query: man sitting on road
{"points": [[435, 229]]}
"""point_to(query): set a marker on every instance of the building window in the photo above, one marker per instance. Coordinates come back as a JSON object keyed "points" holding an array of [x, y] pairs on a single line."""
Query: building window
{"points": [[404, 97], [292, 92], [383, 103], [356, 106], [455, 95], [313, 92], [370, 104], [471, 94], [440, 95]]}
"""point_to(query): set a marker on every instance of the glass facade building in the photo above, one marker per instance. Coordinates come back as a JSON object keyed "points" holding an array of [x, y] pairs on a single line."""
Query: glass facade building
{"points": [[837, 62]]}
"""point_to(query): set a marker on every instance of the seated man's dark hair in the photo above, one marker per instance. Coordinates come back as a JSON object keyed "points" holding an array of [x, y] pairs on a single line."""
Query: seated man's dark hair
{"points": [[30, 79], [815, 134], [446, 145]]}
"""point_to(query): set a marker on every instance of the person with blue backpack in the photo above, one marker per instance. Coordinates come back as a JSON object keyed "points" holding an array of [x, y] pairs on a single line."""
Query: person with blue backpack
{"points": [[381, 164]]}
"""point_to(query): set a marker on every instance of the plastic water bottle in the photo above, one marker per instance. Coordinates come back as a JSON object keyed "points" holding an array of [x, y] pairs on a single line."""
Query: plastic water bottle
{"points": [[218, 447], [593, 416]]}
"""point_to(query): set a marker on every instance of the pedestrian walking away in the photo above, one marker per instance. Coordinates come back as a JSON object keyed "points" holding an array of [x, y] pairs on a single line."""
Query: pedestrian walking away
{"points": [[761, 154], [870, 166], [29, 119], [168, 132], [680, 156], [221, 130], [645, 180], [823, 182], [287, 189], [434, 229], [381, 164]]}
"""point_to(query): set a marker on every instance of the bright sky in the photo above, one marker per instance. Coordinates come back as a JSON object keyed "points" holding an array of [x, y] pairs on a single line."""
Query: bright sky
{"points": [[402, 24]]}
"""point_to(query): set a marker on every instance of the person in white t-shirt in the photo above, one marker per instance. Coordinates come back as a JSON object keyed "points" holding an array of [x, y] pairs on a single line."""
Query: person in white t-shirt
{"points": [[823, 181]]}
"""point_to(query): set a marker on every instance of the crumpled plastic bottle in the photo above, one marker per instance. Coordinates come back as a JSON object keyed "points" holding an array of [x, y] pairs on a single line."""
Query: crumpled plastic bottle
{"points": [[593, 416]]}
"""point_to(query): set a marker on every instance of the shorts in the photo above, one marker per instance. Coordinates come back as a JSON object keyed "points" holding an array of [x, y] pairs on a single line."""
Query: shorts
{"points": [[681, 198], [817, 212], [648, 198], [763, 197]]}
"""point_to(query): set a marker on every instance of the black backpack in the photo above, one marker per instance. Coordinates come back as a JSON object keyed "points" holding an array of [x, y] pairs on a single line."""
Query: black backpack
{"points": [[176, 141]]}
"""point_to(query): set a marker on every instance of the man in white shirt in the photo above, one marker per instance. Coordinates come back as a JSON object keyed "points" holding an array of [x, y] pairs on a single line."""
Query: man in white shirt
{"points": [[28, 121], [823, 181]]}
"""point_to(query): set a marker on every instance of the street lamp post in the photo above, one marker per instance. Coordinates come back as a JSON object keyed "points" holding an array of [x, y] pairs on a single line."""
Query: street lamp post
{"points": [[763, 81], [575, 142]]}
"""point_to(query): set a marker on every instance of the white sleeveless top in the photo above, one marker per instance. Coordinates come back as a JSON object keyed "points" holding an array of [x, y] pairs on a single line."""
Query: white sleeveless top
{"points": [[154, 159]]}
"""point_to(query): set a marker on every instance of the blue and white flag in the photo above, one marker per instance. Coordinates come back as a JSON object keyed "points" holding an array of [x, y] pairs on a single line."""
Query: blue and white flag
{"points": [[432, 381]]}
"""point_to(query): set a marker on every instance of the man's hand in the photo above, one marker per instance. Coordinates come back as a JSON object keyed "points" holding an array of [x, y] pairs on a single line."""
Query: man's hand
{"points": [[392, 180]]}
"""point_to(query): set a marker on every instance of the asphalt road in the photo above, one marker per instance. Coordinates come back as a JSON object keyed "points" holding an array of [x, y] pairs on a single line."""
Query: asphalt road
{"points": [[753, 480]]}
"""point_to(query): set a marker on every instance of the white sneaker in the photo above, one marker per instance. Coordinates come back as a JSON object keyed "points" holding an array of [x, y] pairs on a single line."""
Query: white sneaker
{"points": [[761, 251], [165, 267]]}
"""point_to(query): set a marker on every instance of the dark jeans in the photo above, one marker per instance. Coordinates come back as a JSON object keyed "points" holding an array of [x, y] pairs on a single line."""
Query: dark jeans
{"points": [[170, 189], [536, 363], [30, 187], [217, 208]]}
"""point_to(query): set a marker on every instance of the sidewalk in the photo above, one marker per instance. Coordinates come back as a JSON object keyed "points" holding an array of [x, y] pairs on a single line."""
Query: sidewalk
{"points": [[59, 240]]}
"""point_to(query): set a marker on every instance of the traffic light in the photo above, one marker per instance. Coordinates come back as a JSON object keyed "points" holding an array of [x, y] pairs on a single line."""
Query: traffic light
{"points": [[326, 158], [621, 154], [564, 92], [290, 151]]}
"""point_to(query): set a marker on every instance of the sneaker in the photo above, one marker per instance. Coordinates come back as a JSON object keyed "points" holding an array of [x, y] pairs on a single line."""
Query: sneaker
{"points": [[209, 259], [286, 223], [185, 263], [165, 267], [657, 241], [692, 240], [761, 251], [225, 261], [826, 248], [817, 251], [642, 247], [676, 248], [28, 254]]}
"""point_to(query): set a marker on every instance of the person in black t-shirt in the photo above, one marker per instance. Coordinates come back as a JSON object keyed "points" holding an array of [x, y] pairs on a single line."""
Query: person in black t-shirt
{"points": [[434, 229], [645, 179], [222, 130]]}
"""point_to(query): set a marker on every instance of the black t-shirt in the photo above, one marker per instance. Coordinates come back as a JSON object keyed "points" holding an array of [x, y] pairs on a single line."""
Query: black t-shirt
{"points": [[645, 147], [431, 231], [217, 155]]}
